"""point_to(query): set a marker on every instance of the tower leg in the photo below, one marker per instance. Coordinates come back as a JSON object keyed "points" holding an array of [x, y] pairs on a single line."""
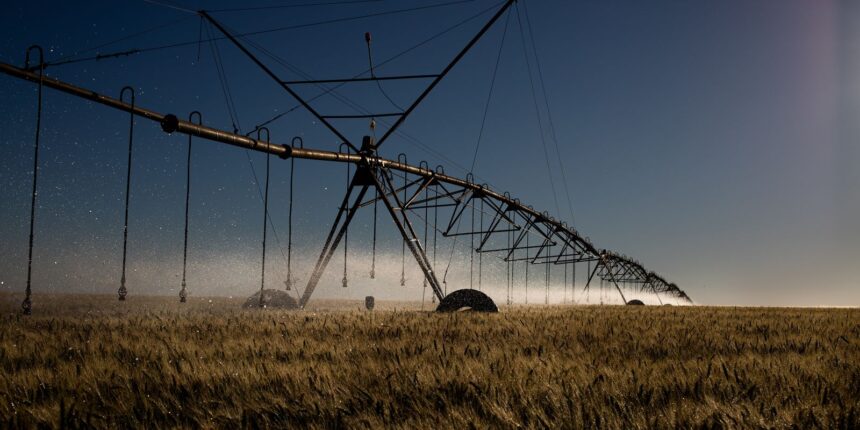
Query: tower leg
{"points": [[334, 236], [398, 214]]}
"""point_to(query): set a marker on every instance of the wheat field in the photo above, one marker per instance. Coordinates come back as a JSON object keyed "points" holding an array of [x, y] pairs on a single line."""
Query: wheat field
{"points": [[89, 361]]}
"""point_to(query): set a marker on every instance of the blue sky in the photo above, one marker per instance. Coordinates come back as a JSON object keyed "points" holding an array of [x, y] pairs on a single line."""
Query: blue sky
{"points": [[717, 142]]}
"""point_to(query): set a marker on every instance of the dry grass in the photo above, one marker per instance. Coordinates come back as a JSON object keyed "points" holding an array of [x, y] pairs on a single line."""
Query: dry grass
{"points": [[89, 361]]}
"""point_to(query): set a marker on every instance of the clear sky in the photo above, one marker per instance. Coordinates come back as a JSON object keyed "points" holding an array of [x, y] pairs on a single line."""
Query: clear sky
{"points": [[716, 142]]}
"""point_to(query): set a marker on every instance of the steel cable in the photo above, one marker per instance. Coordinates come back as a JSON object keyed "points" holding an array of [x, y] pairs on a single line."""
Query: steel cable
{"points": [[548, 113], [252, 33], [291, 6], [537, 112], [490, 94], [327, 90]]}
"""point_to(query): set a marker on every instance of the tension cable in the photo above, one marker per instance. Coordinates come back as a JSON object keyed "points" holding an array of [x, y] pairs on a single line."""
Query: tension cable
{"points": [[492, 87], [537, 112], [367, 39], [548, 111]]}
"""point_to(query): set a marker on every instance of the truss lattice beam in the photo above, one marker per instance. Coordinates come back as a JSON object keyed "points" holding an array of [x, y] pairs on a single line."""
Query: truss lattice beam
{"points": [[518, 217]]}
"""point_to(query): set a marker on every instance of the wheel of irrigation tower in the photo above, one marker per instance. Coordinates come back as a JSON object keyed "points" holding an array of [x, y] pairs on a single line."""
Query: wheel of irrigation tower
{"points": [[272, 299], [471, 300], [635, 302]]}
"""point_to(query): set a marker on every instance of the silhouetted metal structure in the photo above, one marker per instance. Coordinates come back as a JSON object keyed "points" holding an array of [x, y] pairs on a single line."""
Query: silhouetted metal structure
{"points": [[506, 233]]}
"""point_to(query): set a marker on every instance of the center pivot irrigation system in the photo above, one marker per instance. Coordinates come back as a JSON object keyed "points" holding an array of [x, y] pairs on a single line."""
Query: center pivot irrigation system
{"points": [[511, 230]]}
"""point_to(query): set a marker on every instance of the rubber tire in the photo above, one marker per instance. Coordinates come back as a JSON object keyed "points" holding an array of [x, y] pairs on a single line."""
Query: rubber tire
{"points": [[472, 300], [272, 299], [635, 302]]}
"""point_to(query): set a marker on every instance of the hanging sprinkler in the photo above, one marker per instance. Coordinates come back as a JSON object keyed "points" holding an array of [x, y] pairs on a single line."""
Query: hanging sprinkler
{"points": [[265, 217], [401, 158], [367, 40], [122, 292], [439, 171], [373, 251], [27, 304], [344, 282], [183, 293], [423, 165], [288, 283]]}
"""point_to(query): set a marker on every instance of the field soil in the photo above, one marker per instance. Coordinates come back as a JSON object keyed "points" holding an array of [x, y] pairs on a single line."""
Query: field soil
{"points": [[150, 362]]}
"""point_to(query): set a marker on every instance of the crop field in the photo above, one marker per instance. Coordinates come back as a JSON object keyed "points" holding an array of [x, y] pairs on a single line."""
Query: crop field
{"points": [[89, 361]]}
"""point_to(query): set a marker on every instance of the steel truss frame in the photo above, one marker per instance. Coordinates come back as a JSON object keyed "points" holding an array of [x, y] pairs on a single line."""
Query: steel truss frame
{"points": [[560, 244]]}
